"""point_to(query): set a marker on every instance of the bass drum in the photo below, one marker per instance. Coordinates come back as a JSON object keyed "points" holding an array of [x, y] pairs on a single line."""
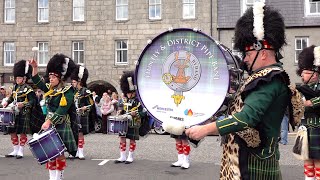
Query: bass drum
{"points": [[183, 74]]}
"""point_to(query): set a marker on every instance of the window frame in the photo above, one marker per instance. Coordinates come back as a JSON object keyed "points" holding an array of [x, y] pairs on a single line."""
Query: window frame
{"points": [[307, 5], [41, 51], [43, 8], [12, 53], [188, 4], [122, 13], [245, 5], [74, 7], [78, 52], [121, 51], [295, 46], [6, 9], [155, 4]]}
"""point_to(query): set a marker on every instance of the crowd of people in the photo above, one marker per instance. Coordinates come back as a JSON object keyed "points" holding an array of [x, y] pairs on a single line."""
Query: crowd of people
{"points": [[256, 120]]}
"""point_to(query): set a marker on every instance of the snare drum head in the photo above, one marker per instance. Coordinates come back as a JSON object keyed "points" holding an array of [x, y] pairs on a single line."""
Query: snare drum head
{"points": [[182, 75], [36, 137]]}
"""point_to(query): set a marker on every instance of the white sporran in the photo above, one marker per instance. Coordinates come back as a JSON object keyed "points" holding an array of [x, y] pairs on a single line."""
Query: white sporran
{"points": [[301, 146]]}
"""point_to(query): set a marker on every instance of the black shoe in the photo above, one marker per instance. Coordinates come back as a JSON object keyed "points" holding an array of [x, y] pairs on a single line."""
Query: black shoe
{"points": [[117, 161], [19, 157], [9, 156], [71, 157], [128, 162], [82, 158]]}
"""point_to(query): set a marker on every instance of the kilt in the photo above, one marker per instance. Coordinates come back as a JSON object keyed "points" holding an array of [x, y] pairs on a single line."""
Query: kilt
{"points": [[22, 122], [313, 141], [133, 133], [313, 125], [263, 169], [180, 137], [66, 134], [84, 121]]}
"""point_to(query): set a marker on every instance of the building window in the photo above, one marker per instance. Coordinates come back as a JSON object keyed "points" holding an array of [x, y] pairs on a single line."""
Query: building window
{"points": [[78, 52], [121, 9], [9, 53], [78, 10], [246, 4], [43, 11], [43, 53], [301, 43], [189, 9], [154, 9], [312, 7], [9, 11], [121, 52]]}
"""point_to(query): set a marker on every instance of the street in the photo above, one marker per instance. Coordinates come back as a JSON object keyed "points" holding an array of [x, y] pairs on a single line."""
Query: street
{"points": [[153, 157]]}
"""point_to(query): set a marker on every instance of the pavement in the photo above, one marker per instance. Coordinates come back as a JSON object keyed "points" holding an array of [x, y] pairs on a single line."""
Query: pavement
{"points": [[153, 157]]}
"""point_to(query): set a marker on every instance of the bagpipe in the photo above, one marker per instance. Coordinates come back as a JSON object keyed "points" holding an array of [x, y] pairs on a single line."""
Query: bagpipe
{"points": [[184, 77]]}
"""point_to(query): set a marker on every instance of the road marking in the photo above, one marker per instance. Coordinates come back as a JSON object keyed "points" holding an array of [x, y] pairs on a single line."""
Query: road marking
{"points": [[1, 156], [103, 161]]}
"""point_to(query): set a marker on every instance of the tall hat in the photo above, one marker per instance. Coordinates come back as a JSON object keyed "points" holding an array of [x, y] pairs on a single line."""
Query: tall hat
{"points": [[61, 66], [309, 59], [127, 83], [80, 74], [260, 27], [22, 69]]}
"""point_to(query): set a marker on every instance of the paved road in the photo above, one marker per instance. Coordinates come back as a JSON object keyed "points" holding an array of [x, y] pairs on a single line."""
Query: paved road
{"points": [[153, 157]]}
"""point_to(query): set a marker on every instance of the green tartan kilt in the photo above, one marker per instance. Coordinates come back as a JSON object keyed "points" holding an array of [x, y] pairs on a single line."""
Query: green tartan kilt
{"points": [[133, 133], [313, 141], [84, 120], [67, 137], [263, 169], [21, 123]]}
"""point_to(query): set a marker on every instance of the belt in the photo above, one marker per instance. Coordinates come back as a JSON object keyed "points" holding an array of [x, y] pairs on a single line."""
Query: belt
{"points": [[315, 122]]}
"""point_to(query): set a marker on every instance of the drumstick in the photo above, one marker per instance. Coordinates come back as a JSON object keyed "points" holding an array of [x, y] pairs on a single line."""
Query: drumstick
{"points": [[177, 128], [35, 52]]}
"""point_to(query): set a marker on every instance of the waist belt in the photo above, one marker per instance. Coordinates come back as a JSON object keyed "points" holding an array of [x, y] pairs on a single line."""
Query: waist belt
{"points": [[313, 122]]}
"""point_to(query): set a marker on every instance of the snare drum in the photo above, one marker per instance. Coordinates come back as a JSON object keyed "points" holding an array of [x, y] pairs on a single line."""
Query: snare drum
{"points": [[118, 125], [46, 146], [6, 117]]}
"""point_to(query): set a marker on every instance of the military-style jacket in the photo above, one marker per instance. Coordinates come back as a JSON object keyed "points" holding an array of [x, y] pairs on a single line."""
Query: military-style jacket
{"points": [[23, 93], [58, 100], [312, 92], [83, 98], [265, 99]]}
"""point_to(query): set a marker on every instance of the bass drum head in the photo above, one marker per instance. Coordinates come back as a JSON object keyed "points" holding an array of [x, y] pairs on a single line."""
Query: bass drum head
{"points": [[182, 75]]}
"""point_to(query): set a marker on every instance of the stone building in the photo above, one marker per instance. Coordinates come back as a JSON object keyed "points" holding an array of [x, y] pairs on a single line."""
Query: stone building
{"points": [[302, 20], [107, 36]]}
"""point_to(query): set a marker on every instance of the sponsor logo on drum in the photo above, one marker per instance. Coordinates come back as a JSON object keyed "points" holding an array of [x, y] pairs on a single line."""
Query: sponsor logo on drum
{"points": [[189, 112], [163, 109], [177, 118]]}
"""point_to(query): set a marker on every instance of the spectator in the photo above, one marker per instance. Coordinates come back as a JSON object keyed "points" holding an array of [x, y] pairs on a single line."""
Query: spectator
{"points": [[2, 93]]}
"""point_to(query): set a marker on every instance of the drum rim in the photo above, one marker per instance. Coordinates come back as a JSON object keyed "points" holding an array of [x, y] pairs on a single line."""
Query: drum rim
{"points": [[147, 47], [54, 157], [50, 131], [9, 110]]}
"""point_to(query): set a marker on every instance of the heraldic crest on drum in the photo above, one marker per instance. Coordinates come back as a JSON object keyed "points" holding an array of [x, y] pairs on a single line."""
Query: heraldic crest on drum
{"points": [[181, 72]]}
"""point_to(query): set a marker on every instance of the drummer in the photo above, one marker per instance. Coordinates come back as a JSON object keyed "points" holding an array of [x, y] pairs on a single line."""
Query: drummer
{"points": [[135, 113], [59, 101], [23, 99], [83, 101]]}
